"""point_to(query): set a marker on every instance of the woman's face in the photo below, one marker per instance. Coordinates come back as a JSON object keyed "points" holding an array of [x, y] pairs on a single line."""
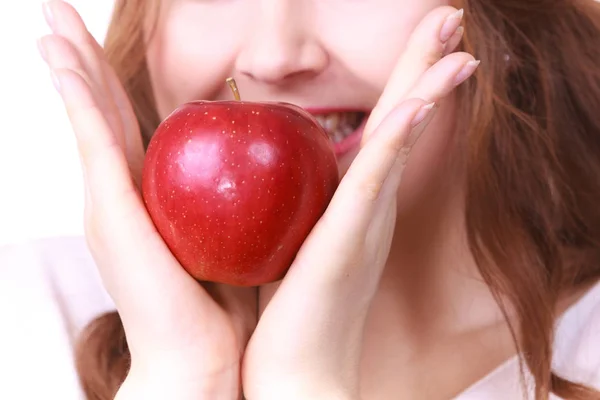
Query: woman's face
{"points": [[332, 57]]}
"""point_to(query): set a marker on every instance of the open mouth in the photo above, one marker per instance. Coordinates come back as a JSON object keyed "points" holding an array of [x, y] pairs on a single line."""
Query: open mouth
{"points": [[344, 128]]}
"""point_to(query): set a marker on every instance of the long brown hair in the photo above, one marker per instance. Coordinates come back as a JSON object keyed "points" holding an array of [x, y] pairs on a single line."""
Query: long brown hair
{"points": [[533, 154]]}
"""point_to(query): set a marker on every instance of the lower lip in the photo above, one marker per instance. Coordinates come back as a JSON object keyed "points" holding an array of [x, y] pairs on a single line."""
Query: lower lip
{"points": [[351, 141]]}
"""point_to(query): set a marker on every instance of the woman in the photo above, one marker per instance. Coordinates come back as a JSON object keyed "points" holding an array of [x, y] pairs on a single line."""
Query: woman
{"points": [[426, 278]]}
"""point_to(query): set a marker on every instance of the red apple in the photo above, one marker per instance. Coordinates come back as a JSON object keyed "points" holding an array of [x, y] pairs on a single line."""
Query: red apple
{"points": [[234, 187]]}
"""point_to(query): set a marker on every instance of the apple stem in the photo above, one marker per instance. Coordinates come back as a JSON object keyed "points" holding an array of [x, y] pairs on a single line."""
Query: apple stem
{"points": [[234, 89]]}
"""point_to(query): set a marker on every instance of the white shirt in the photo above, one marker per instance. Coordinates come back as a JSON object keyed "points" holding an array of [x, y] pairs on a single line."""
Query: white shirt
{"points": [[50, 289]]}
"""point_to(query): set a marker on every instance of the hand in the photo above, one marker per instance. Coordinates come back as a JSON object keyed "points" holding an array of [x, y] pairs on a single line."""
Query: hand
{"points": [[185, 340], [308, 341]]}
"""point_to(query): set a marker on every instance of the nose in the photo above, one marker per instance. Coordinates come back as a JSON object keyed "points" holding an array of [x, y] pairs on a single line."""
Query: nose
{"points": [[281, 45]]}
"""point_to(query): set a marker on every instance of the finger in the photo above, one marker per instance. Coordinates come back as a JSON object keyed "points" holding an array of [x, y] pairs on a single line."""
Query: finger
{"points": [[454, 41], [59, 53], [441, 79], [425, 47], [98, 147], [103, 162], [435, 84], [133, 139], [67, 23], [106, 86]]}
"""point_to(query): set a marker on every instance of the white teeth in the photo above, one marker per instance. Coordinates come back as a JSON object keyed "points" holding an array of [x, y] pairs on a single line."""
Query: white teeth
{"points": [[348, 129], [331, 122], [339, 125], [337, 136]]}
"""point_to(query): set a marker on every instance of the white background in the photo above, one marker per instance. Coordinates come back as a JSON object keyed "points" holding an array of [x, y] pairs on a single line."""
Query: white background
{"points": [[40, 179]]}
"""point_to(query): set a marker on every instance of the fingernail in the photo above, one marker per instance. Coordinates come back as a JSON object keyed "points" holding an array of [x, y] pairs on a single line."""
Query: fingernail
{"points": [[48, 14], [42, 50], [422, 114], [55, 80], [451, 25], [458, 35], [466, 72]]}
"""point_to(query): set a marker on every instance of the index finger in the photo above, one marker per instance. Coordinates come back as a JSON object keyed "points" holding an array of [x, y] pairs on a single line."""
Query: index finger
{"points": [[425, 48]]}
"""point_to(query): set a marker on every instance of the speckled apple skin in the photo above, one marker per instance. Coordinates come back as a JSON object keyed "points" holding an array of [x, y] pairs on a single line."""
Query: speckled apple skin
{"points": [[234, 188]]}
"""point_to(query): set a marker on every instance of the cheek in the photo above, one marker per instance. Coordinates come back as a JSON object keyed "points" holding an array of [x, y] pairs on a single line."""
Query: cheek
{"points": [[185, 63], [179, 73], [372, 50]]}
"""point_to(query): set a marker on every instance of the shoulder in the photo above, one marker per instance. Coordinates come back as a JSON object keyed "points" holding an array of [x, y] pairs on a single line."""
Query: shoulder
{"points": [[52, 270], [49, 290], [576, 354], [577, 342]]}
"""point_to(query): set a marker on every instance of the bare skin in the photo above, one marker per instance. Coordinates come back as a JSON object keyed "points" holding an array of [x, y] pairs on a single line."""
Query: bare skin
{"points": [[384, 298]]}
